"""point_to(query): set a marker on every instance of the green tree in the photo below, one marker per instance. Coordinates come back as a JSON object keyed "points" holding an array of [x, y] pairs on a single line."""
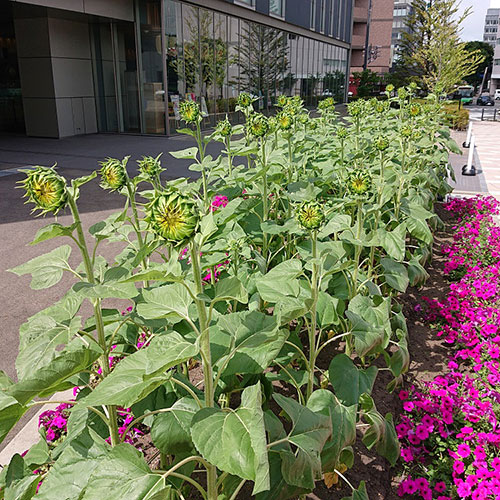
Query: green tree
{"points": [[368, 82], [487, 51], [432, 51]]}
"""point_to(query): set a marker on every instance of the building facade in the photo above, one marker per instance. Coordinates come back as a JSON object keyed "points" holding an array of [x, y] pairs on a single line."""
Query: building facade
{"points": [[492, 36], [379, 39], [86, 66], [402, 10]]}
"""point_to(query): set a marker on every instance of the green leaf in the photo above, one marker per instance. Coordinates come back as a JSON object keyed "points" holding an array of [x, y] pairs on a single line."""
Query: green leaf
{"points": [[46, 270], [367, 337], [142, 372], [171, 431], [250, 339], [235, 440], [327, 310], [395, 273], [381, 431], [348, 381], [185, 154], [123, 475], [80, 181], [71, 472], [416, 272], [107, 290], [230, 288], [165, 301], [52, 231], [343, 424], [53, 376], [10, 412], [280, 282], [20, 482], [309, 433], [420, 230], [394, 242], [359, 494], [399, 362]]}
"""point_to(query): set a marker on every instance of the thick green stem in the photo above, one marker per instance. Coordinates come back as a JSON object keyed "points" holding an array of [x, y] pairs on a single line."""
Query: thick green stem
{"points": [[101, 337], [206, 358], [201, 150], [358, 250], [312, 328], [229, 156], [265, 200]]}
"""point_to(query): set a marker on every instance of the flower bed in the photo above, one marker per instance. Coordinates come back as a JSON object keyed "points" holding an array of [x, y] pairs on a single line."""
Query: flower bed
{"points": [[263, 307], [449, 431]]}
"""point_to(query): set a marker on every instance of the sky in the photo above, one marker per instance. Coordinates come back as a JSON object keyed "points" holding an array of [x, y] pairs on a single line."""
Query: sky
{"points": [[474, 24]]}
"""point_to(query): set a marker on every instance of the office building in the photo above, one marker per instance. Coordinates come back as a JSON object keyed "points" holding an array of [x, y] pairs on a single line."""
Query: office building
{"points": [[70, 67]]}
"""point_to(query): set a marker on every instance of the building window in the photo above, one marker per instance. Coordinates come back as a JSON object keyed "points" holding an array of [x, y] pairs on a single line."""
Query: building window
{"points": [[312, 22], [250, 3], [277, 7], [322, 17], [496, 62]]}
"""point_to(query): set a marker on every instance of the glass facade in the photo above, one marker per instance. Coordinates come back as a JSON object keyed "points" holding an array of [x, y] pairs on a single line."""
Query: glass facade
{"points": [[178, 51]]}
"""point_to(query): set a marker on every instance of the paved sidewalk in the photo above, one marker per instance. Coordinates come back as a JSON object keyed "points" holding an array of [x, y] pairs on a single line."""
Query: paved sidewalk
{"points": [[487, 135]]}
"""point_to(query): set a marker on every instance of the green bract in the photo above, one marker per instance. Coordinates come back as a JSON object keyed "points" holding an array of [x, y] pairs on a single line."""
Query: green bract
{"points": [[113, 174], [150, 166], [224, 128], [342, 133], [244, 100], [327, 104], [382, 143], [46, 189], [311, 215], [172, 217], [284, 120], [359, 182], [258, 125], [189, 111]]}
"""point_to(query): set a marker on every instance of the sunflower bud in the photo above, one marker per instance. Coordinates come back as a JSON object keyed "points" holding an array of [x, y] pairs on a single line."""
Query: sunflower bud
{"points": [[189, 111], [310, 215], [390, 88], [282, 101], [327, 104], [273, 124], [342, 133], [258, 125], [355, 108], [113, 173], [172, 217], [46, 189], [284, 120], [359, 182], [303, 118], [224, 128], [381, 143], [406, 131], [415, 109], [244, 100], [402, 93], [149, 166]]}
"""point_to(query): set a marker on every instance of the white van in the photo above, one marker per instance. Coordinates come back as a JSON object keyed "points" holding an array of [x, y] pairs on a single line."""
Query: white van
{"points": [[497, 94]]}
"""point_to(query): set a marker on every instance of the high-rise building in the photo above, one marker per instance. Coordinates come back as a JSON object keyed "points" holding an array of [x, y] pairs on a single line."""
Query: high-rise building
{"points": [[491, 26], [379, 40], [492, 36], [402, 10], [72, 67]]}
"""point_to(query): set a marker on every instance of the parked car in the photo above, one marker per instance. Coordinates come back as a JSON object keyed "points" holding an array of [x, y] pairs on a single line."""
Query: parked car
{"points": [[497, 94], [485, 100]]}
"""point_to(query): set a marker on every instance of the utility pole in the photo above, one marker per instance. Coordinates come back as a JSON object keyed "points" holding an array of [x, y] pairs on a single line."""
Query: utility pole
{"points": [[367, 39]]}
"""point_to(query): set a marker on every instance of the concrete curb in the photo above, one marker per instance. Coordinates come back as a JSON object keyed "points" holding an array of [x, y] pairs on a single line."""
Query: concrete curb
{"points": [[28, 435]]}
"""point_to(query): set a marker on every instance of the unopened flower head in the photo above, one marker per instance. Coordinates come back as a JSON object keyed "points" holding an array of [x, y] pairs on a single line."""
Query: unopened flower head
{"points": [[311, 215], [303, 118], [381, 143], [342, 133], [113, 173], [359, 182], [244, 100], [285, 120], [402, 93], [406, 131], [173, 217], [189, 111], [258, 125], [380, 106], [224, 128], [273, 124], [46, 189], [150, 166], [282, 101], [327, 104], [390, 88], [415, 109], [355, 108]]}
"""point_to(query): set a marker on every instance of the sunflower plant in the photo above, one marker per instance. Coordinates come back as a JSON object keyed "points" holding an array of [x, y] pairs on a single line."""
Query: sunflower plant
{"points": [[276, 272]]}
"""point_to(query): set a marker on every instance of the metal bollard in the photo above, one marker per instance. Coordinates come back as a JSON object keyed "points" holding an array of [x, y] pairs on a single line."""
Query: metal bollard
{"points": [[466, 143], [470, 169]]}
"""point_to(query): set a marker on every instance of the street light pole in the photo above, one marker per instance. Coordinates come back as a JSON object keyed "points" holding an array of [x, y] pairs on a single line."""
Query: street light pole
{"points": [[367, 39]]}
